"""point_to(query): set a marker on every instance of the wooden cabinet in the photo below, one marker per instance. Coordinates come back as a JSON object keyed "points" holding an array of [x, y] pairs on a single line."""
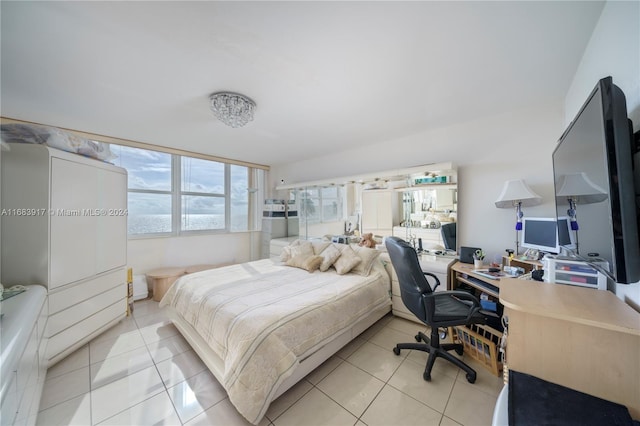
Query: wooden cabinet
{"points": [[380, 211], [64, 226], [577, 337]]}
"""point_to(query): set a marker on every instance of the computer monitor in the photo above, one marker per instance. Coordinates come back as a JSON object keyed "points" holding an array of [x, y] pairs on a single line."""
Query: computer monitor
{"points": [[566, 236], [448, 232], [540, 233]]}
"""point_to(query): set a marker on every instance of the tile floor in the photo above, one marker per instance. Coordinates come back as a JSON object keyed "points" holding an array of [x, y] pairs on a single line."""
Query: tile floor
{"points": [[142, 372]]}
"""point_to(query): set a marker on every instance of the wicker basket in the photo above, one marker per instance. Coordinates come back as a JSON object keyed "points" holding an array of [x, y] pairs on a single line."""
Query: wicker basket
{"points": [[481, 343]]}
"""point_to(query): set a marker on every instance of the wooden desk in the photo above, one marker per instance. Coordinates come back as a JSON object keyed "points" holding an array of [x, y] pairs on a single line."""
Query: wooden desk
{"points": [[463, 272], [584, 339]]}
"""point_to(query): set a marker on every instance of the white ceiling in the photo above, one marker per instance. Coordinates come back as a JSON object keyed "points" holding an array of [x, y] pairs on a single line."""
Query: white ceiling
{"points": [[324, 75]]}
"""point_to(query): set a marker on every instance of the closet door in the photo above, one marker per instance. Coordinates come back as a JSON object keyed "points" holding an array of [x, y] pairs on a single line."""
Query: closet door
{"points": [[72, 226], [111, 241]]}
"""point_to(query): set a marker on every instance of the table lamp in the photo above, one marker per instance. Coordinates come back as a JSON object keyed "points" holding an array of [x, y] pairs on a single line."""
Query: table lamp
{"points": [[578, 188], [516, 193]]}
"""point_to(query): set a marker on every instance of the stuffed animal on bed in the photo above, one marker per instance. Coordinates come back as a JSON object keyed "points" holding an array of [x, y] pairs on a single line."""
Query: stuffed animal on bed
{"points": [[367, 241]]}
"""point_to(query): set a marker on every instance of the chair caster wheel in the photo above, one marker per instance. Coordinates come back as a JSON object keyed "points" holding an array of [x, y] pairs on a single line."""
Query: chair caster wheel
{"points": [[396, 350], [459, 351], [417, 337], [426, 377], [471, 378]]}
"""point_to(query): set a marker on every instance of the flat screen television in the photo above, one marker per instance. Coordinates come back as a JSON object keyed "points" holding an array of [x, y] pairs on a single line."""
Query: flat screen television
{"points": [[594, 182]]}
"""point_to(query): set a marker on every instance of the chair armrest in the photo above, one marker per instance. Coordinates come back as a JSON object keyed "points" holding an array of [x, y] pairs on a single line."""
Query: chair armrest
{"points": [[429, 274], [463, 296]]}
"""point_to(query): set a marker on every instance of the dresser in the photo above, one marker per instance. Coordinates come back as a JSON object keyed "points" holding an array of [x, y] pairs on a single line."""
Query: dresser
{"points": [[23, 364], [64, 226]]}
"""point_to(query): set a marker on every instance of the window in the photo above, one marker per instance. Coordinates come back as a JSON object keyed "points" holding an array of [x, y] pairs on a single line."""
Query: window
{"points": [[173, 194], [149, 198], [203, 195]]}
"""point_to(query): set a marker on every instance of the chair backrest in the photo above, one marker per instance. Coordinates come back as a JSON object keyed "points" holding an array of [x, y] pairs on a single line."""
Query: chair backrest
{"points": [[448, 232], [413, 283]]}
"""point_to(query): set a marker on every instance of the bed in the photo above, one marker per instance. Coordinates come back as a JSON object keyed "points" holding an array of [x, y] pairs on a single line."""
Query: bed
{"points": [[262, 326]]}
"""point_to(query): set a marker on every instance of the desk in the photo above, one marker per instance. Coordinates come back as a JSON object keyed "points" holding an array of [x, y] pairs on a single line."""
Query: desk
{"points": [[463, 272], [584, 339]]}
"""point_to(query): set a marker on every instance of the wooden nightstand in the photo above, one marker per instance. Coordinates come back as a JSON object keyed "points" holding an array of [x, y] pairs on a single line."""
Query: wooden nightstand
{"points": [[161, 279]]}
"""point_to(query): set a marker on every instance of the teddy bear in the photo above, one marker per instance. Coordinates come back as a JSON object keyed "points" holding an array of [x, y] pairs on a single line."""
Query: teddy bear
{"points": [[367, 241]]}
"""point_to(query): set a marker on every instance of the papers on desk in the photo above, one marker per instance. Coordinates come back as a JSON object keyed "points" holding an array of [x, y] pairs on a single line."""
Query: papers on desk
{"points": [[486, 273]]}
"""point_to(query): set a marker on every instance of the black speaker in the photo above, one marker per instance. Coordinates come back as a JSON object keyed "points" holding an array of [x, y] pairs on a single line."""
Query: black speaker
{"points": [[466, 254], [419, 244]]}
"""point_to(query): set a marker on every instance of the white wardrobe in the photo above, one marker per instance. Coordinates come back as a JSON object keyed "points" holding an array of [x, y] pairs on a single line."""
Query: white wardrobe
{"points": [[64, 226]]}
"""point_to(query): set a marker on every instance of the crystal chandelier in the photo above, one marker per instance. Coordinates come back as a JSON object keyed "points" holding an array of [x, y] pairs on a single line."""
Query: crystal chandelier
{"points": [[233, 109]]}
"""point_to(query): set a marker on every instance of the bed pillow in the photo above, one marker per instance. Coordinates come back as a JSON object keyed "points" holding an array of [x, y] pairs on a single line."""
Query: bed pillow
{"points": [[329, 255], [303, 249], [286, 253], [347, 261], [320, 246], [368, 256], [308, 263]]}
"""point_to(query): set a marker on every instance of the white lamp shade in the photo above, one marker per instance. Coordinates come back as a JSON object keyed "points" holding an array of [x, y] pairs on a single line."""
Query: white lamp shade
{"points": [[517, 191], [579, 187]]}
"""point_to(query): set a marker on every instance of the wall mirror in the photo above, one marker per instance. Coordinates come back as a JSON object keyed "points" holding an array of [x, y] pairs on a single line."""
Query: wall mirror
{"points": [[429, 216], [411, 203]]}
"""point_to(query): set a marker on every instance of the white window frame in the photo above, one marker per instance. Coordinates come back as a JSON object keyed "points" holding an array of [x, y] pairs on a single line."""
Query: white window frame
{"points": [[176, 194]]}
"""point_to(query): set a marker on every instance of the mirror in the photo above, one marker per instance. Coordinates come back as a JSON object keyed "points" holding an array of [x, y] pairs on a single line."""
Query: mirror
{"points": [[425, 208], [430, 214]]}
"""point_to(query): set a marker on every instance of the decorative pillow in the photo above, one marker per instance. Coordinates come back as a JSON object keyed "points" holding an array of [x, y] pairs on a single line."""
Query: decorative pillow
{"points": [[368, 256], [305, 248], [286, 250], [347, 261], [329, 255], [308, 263], [319, 246]]}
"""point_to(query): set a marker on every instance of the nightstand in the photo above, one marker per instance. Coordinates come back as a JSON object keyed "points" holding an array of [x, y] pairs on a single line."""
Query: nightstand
{"points": [[161, 279]]}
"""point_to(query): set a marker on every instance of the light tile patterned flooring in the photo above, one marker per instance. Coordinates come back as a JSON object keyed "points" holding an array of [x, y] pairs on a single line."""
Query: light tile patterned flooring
{"points": [[142, 372]]}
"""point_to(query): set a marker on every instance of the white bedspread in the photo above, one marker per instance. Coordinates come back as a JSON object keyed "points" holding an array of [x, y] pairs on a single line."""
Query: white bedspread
{"points": [[261, 317]]}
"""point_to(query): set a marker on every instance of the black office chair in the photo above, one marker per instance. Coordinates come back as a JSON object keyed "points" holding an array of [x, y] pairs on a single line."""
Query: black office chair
{"points": [[441, 309], [448, 233]]}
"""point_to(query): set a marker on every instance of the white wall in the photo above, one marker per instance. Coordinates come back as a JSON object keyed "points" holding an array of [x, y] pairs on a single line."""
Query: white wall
{"points": [[150, 253], [614, 50], [517, 144]]}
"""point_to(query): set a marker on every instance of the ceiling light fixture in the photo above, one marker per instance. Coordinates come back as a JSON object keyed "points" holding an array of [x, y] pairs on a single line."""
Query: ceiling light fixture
{"points": [[233, 109]]}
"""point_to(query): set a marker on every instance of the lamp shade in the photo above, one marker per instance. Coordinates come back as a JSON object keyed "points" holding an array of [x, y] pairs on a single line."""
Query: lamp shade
{"points": [[517, 191], [580, 188]]}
